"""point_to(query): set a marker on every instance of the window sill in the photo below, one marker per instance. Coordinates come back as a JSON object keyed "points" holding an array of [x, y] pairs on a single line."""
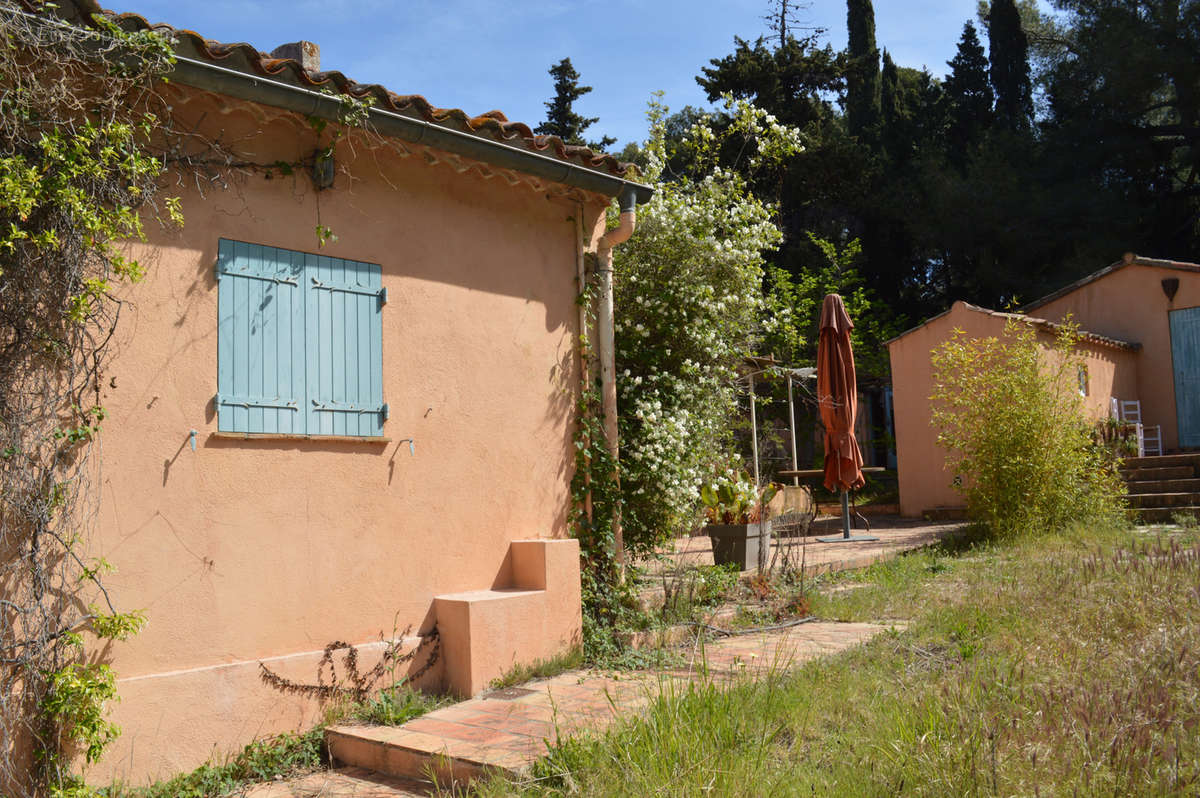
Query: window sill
{"points": [[283, 436]]}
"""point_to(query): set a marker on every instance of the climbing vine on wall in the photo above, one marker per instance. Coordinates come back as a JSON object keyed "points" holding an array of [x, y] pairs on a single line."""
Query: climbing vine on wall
{"points": [[87, 140], [77, 111], [609, 602]]}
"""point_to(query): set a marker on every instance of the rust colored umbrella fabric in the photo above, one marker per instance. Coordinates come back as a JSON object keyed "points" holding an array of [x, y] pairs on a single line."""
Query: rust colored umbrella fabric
{"points": [[837, 397]]}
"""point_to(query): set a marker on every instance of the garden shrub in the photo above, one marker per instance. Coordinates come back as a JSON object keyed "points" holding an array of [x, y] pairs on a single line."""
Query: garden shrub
{"points": [[690, 307], [1020, 445]]}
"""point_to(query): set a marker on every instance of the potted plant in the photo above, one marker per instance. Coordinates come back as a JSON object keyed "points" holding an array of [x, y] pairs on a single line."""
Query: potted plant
{"points": [[737, 522]]}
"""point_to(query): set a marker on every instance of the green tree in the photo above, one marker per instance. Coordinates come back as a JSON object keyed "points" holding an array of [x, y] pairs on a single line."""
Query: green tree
{"points": [[561, 119], [911, 111], [1124, 107], [1008, 56], [862, 73], [791, 81], [969, 96], [1043, 30], [793, 308]]}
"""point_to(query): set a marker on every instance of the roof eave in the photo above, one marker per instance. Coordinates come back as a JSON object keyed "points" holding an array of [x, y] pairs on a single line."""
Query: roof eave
{"points": [[254, 88], [1129, 259], [1043, 324]]}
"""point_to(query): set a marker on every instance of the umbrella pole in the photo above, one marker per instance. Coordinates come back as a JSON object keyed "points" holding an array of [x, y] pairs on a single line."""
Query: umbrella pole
{"points": [[846, 536]]}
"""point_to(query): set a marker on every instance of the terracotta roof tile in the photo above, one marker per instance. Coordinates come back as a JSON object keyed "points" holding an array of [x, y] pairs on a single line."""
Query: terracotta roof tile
{"points": [[1042, 324], [1129, 259], [1055, 327], [244, 57]]}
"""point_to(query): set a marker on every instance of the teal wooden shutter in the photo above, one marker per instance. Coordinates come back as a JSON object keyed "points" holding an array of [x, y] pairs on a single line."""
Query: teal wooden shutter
{"points": [[299, 343], [261, 319], [1185, 354], [345, 358]]}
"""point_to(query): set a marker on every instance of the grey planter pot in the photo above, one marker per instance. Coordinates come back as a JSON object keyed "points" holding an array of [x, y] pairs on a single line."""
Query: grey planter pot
{"points": [[737, 543]]}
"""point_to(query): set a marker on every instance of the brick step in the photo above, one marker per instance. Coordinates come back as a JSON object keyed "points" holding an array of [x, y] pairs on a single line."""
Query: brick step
{"points": [[1165, 515], [1164, 486], [393, 751], [1156, 474], [1165, 500], [340, 783], [1163, 461]]}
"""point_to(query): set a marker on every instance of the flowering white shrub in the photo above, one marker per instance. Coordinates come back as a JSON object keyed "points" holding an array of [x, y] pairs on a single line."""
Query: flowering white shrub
{"points": [[689, 305]]}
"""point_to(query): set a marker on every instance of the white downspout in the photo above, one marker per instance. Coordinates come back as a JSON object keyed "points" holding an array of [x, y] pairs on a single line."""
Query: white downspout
{"points": [[605, 323]]}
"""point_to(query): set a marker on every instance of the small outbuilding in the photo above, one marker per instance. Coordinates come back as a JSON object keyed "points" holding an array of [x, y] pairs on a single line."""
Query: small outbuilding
{"points": [[1139, 325], [342, 403]]}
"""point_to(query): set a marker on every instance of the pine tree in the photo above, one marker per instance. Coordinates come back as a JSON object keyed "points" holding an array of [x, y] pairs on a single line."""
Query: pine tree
{"points": [[1009, 57], [561, 119], [968, 95], [783, 19], [862, 77]]}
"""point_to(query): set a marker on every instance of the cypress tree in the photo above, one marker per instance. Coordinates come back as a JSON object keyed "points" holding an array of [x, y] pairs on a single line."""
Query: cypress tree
{"points": [[1009, 57], [968, 95], [893, 112], [862, 76], [561, 119]]}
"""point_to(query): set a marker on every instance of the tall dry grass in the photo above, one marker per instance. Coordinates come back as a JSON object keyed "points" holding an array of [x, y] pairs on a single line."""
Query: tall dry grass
{"points": [[1065, 665]]}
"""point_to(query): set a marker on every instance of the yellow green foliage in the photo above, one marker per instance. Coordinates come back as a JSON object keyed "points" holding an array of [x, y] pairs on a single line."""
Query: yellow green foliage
{"points": [[1019, 443]]}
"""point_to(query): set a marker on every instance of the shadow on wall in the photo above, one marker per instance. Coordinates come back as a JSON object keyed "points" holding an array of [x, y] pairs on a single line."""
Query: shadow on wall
{"points": [[423, 222]]}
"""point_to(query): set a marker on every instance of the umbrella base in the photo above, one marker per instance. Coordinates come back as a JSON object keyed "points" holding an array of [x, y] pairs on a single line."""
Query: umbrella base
{"points": [[847, 539]]}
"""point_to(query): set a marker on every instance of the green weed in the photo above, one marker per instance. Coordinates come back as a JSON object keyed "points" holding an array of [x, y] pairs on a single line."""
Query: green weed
{"points": [[1065, 664], [397, 705], [541, 668], [262, 760]]}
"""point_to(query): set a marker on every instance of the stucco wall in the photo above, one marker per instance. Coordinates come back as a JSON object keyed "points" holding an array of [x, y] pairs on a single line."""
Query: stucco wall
{"points": [[921, 464], [1129, 304], [251, 549]]}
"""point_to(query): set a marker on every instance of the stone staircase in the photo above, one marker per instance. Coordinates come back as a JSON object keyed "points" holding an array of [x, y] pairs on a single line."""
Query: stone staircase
{"points": [[1163, 486]]}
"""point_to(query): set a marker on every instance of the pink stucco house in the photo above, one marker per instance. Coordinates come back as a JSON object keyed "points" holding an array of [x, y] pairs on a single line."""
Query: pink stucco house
{"points": [[352, 440], [1140, 325]]}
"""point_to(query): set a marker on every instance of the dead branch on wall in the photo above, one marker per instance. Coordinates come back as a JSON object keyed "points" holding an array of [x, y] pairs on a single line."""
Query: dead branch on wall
{"points": [[352, 684]]}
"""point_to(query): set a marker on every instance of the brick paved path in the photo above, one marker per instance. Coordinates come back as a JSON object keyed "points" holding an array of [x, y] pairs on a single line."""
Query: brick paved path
{"points": [[896, 535], [509, 729]]}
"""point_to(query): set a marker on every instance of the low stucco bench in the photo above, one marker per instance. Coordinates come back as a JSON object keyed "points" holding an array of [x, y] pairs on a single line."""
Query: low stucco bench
{"points": [[484, 633]]}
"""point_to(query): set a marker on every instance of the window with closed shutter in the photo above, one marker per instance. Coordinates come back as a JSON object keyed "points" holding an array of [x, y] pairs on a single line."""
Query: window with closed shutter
{"points": [[299, 343]]}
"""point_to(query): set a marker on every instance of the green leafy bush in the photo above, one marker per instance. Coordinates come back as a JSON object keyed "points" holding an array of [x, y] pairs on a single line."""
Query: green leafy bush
{"points": [[1020, 444], [689, 299]]}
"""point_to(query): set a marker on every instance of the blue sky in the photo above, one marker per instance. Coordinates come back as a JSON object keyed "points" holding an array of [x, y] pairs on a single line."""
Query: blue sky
{"points": [[480, 55]]}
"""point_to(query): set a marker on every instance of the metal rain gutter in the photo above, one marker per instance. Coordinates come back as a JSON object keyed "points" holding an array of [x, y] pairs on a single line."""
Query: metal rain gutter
{"points": [[235, 83]]}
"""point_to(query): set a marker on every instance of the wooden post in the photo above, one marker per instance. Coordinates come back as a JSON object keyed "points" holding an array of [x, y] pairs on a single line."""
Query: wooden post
{"points": [[792, 430]]}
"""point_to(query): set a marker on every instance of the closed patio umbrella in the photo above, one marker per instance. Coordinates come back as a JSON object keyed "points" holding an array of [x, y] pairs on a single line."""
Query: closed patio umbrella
{"points": [[837, 399]]}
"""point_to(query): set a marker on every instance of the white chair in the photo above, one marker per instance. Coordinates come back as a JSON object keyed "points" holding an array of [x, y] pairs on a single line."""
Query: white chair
{"points": [[1149, 438]]}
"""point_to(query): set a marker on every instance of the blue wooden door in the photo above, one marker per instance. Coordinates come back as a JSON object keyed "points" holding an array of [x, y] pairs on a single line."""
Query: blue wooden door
{"points": [[1185, 352]]}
